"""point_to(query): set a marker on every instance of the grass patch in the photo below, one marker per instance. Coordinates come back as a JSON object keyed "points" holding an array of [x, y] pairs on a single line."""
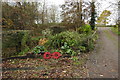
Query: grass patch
{"points": [[79, 61], [115, 30], [107, 33]]}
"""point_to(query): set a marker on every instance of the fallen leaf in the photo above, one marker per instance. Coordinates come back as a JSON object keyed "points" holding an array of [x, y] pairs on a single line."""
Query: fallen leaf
{"points": [[64, 71], [101, 75]]}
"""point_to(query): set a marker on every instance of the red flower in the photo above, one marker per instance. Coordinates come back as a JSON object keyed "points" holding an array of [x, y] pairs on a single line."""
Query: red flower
{"points": [[56, 55], [47, 55]]}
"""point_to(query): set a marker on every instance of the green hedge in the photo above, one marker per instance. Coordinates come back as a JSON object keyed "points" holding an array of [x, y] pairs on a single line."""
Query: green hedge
{"points": [[16, 42]]}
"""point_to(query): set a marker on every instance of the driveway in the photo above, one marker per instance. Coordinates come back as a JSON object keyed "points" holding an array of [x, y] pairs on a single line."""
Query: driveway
{"points": [[103, 62]]}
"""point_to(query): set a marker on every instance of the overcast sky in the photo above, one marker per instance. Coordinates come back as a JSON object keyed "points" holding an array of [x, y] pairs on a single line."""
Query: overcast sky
{"points": [[104, 5]]}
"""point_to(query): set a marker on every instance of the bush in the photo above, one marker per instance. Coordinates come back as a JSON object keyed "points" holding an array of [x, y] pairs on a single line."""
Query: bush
{"points": [[116, 30], [85, 29], [71, 43], [47, 32], [39, 49], [19, 40], [57, 29], [7, 23], [67, 42], [71, 38]]}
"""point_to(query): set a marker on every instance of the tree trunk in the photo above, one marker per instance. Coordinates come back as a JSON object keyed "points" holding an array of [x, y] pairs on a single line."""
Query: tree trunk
{"points": [[92, 22]]}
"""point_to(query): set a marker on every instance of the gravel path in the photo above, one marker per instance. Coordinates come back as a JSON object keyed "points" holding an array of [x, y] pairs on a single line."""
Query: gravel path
{"points": [[103, 62]]}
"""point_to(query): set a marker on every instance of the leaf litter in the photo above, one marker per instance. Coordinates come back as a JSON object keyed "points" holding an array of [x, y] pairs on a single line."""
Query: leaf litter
{"points": [[42, 68]]}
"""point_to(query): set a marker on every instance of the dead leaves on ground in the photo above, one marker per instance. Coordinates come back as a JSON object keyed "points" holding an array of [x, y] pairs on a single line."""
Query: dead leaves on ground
{"points": [[61, 68]]}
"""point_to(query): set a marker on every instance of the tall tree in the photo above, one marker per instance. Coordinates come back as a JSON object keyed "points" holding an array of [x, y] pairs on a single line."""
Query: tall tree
{"points": [[93, 15], [53, 14], [72, 12], [22, 15], [43, 10]]}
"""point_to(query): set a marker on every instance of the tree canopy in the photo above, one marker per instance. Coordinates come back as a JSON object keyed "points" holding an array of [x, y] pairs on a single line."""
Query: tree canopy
{"points": [[102, 20]]}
